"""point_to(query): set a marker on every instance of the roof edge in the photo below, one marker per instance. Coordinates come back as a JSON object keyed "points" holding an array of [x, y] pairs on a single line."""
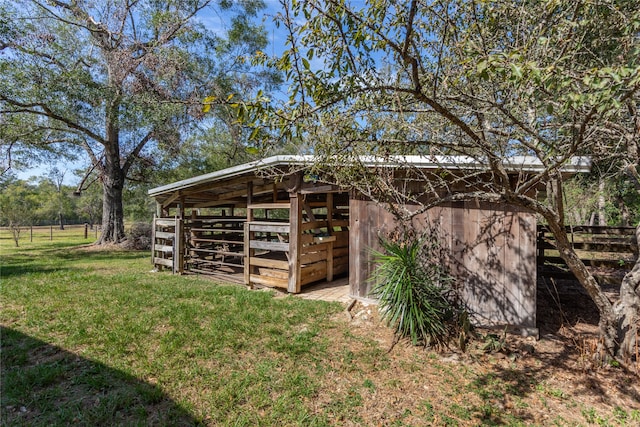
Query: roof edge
{"points": [[513, 164]]}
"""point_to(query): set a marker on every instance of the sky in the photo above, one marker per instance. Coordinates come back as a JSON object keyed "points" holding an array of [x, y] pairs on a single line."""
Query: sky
{"points": [[213, 21]]}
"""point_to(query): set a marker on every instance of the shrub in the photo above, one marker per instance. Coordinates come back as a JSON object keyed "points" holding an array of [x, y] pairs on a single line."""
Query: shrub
{"points": [[414, 292]]}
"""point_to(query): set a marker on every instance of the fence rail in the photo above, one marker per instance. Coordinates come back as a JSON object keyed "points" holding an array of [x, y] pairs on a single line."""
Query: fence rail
{"points": [[52, 232], [611, 248]]}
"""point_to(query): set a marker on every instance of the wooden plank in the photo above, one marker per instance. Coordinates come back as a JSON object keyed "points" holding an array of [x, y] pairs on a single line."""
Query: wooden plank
{"points": [[330, 214], [270, 246], [278, 205], [270, 228], [340, 268], [311, 225], [248, 236], [171, 199], [166, 222], [528, 221], [272, 282], [340, 252], [316, 266], [340, 260], [313, 277], [153, 237], [295, 244], [270, 263], [178, 255], [314, 247], [233, 242], [164, 235], [164, 248], [218, 218], [163, 261], [324, 239], [594, 261], [276, 273], [615, 247], [306, 239], [340, 223], [214, 262], [342, 239], [330, 263], [311, 257], [355, 258], [218, 252], [321, 189]]}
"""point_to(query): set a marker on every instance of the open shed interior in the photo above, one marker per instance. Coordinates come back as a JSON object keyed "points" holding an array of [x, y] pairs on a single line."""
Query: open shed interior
{"points": [[254, 230]]}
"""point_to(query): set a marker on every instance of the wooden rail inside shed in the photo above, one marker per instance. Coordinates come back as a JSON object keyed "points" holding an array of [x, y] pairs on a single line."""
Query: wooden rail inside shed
{"points": [[255, 232]]}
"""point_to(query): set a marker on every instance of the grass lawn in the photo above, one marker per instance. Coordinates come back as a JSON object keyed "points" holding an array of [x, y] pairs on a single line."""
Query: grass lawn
{"points": [[95, 338]]}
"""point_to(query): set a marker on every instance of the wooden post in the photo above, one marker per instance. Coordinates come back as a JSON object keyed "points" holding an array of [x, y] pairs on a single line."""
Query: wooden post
{"points": [[248, 236], [295, 242], [330, 232], [86, 230], [31, 233], [153, 240], [192, 234], [178, 246], [51, 232]]}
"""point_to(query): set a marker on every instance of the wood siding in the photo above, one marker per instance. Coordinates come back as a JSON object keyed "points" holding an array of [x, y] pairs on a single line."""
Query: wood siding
{"points": [[490, 250]]}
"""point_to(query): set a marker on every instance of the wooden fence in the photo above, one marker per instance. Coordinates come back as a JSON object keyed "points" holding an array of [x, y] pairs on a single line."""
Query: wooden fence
{"points": [[53, 232], [605, 249]]}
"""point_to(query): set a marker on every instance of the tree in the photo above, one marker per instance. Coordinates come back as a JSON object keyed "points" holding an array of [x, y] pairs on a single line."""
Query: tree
{"points": [[489, 80], [115, 80], [55, 201], [17, 206]]}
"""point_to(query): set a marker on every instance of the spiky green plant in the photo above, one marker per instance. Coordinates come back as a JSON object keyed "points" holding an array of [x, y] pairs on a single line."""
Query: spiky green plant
{"points": [[413, 291]]}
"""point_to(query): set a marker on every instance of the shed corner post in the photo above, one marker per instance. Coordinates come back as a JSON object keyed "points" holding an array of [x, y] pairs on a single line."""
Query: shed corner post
{"points": [[179, 244], [248, 237], [295, 241]]}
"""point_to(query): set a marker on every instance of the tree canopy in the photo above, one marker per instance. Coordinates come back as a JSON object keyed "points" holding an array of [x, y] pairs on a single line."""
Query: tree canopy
{"points": [[118, 82], [488, 80]]}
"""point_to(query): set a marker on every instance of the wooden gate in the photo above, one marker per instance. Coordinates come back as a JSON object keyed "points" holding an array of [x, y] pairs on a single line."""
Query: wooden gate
{"points": [[166, 246]]}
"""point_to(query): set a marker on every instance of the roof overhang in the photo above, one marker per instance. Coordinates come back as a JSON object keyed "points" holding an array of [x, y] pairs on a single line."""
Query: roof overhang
{"points": [[516, 164]]}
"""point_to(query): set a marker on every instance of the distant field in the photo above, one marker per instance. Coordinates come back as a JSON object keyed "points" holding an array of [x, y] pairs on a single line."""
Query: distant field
{"points": [[42, 233]]}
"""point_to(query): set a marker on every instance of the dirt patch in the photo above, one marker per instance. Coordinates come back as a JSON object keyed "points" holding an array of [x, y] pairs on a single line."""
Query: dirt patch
{"points": [[557, 379]]}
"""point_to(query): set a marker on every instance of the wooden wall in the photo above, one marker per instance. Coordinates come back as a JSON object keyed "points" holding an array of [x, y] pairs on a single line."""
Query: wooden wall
{"points": [[490, 250]]}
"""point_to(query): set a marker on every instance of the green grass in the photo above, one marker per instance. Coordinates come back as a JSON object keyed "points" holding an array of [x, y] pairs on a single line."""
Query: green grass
{"points": [[96, 338], [123, 339]]}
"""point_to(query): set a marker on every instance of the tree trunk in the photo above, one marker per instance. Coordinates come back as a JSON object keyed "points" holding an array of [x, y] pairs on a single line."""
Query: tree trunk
{"points": [[112, 210], [618, 322], [627, 310], [61, 220], [607, 325]]}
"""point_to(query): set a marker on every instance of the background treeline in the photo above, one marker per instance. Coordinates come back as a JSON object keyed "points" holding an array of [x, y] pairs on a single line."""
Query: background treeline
{"points": [[590, 200]]}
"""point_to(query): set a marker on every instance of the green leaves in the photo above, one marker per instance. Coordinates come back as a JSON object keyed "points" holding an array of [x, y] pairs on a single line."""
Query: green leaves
{"points": [[207, 103], [412, 290]]}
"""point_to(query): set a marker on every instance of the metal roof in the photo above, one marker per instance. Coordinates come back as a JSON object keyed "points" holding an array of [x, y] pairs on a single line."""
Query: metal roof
{"points": [[512, 164]]}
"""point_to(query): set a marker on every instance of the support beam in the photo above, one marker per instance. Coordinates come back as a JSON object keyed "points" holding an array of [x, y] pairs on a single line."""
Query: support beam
{"points": [[248, 237], [295, 243], [330, 230]]}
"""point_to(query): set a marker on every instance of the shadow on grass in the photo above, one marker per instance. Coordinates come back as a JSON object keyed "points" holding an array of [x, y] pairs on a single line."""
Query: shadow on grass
{"points": [[45, 385]]}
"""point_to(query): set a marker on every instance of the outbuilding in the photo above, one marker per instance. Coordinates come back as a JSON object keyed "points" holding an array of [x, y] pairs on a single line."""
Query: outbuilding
{"points": [[270, 223]]}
